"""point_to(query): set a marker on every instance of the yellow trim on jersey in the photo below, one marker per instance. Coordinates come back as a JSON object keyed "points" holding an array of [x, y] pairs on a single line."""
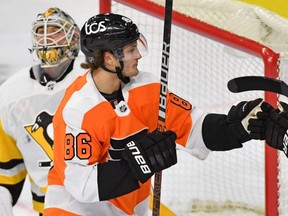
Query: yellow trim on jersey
{"points": [[38, 206], [164, 211], [43, 189], [279, 6], [11, 180], [8, 147]]}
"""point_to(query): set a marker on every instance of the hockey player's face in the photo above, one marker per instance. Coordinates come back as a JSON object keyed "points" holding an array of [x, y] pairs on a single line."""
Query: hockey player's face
{"points": [[51, 36], [131, 57]]}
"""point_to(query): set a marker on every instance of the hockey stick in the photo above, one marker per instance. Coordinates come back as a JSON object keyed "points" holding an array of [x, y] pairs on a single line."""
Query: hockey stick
{"points": [[163, 97], [250, 83]]}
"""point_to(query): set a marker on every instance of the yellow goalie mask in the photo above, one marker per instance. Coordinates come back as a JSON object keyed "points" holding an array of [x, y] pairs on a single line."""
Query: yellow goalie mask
{"points": [[55, 39]]}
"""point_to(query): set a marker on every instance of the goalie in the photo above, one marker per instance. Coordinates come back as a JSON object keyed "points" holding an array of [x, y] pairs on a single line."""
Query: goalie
{"points": [[106, 146], [28, 100]]}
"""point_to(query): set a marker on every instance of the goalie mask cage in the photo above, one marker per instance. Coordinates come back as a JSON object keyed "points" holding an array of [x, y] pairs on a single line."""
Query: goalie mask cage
{"points": [[211, 43]]}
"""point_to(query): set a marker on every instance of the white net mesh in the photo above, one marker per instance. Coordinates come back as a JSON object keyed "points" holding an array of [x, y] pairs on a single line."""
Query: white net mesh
{"points": [[250, 21]]}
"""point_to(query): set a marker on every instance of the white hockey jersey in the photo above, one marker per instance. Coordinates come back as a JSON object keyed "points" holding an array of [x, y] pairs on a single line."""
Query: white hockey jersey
{"points": [[26, 135]]}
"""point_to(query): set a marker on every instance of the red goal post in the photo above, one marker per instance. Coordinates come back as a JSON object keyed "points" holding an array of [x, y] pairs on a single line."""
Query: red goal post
{"points": [[232, 42]]}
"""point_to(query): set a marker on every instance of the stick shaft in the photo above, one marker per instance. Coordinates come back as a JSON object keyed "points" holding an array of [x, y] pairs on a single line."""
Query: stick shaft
{"points": [[163, 96]]}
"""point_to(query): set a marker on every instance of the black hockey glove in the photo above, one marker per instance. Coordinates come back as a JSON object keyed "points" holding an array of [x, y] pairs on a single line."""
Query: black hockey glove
{"points": [[247, 120], [153, 153], [276, 129]]}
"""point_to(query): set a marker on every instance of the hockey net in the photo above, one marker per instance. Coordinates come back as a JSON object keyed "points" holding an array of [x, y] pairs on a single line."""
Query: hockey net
{"points": [[211, 43]]}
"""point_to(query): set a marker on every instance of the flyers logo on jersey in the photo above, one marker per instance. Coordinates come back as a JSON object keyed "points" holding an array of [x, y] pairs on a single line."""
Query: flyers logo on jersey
{"points": [[42, 132]]}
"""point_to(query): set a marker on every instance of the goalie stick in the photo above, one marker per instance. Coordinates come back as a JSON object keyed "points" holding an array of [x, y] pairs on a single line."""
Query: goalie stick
{"points": [[163, 96], [250, 83]]}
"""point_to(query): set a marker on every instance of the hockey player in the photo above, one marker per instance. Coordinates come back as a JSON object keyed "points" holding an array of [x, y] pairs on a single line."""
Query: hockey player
{"points": [[28, 101], [106, 147]]}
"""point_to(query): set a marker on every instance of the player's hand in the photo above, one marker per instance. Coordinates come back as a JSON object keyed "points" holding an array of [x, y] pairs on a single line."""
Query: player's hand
{"points": [[276, 128], [153, 153], [5, 202], [247, 120]]}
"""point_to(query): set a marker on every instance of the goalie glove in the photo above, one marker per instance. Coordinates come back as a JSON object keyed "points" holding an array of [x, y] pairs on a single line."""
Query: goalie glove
{"points": [[153, 153], [247, 120], [276, 128], [5, 202]]}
